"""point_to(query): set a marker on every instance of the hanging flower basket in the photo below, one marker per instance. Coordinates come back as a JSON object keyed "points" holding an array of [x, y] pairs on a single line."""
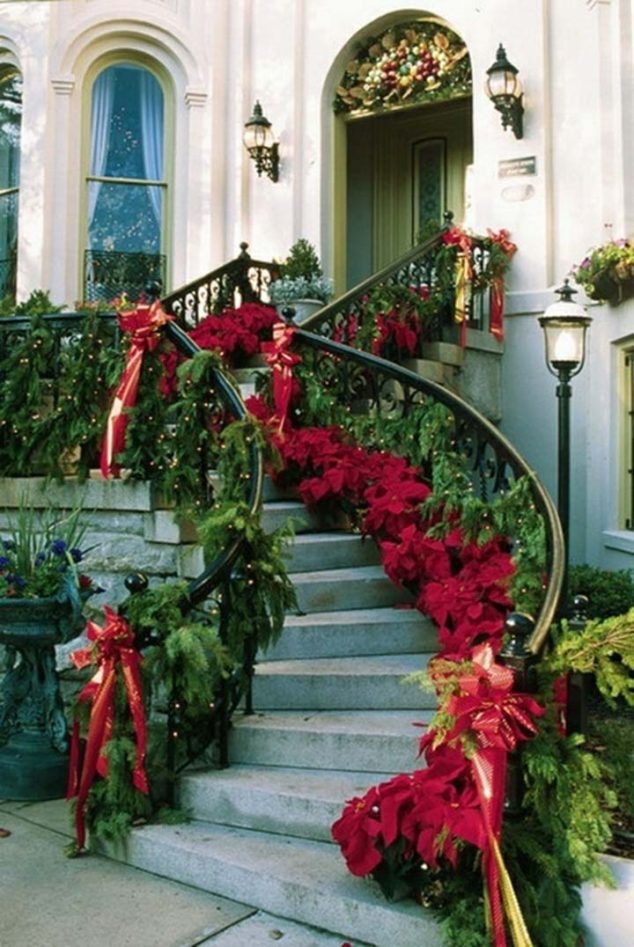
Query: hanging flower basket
{"points": [[607, 272]]}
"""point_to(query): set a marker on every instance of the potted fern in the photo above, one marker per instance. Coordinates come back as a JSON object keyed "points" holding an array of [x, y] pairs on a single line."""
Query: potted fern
{"points": [[301, 284]]}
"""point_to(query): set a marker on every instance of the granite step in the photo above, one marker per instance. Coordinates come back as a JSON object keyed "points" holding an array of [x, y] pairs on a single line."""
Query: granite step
{"points": [[282, 800], [359, 631], [350, 683], [361, 741], [333, 589], [296, 878]]}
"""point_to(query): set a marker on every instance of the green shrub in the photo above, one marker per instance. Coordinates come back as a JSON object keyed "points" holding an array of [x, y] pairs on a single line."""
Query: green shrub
{"points": [[609, 592], [38, 304]]}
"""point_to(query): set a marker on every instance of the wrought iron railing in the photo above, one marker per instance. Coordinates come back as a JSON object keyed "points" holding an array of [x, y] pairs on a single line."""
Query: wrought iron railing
{"points": [[56, 333], [378, 388], [110, 273], [239, 281], [418, 270]]}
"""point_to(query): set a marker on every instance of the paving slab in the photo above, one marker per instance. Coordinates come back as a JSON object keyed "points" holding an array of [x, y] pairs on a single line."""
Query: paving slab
{"points": [[48, 900], [264, 930]]}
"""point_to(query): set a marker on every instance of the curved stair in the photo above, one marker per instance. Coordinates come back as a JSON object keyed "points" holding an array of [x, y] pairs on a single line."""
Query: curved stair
{"points": [[332, 718]]}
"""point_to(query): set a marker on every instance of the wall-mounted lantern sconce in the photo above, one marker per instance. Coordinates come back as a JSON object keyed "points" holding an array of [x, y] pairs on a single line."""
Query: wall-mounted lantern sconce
{"points": [[505, 91], [260, 142]]}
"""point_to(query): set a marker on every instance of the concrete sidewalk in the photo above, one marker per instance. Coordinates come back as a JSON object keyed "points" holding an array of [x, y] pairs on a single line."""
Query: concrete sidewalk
{"points": [[48, 900]]}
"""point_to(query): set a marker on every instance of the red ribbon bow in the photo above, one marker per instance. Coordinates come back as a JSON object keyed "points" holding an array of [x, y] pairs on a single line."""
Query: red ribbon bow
{"points": [[144, 325], [500, 719], [496, 324], [281, 360], [115, 649]]}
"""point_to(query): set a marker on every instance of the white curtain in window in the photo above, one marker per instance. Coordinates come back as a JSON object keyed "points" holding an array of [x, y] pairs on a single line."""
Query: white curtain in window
{"points": [[151, 110], [102, 102]]}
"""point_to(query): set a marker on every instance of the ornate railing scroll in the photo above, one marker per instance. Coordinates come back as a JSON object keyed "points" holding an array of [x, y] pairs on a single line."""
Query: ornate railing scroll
{"points": [[238, 281], [377, 387]]}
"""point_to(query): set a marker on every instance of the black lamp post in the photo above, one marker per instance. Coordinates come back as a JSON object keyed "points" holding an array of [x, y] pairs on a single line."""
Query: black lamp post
{"points": [[565, 324]]}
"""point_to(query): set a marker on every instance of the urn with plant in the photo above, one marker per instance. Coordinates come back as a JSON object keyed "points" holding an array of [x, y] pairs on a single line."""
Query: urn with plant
{"points": [[301, 280], [42, 591]]}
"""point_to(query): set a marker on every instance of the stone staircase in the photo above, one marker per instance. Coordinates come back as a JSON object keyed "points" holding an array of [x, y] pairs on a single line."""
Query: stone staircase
{"points": [[332, 718]]}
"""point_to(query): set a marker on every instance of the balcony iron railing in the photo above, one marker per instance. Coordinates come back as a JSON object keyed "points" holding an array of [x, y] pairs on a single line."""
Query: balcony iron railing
{"points": [[110, 273]]}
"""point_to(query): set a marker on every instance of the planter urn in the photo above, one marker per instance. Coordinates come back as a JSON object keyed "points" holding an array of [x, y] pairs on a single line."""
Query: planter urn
{"points": [[33, 728]]}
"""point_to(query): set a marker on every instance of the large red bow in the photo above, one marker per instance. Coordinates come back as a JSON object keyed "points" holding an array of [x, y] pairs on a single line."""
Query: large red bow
{"points": [[500, 719], [144, 325], [115, 649], [281, 360], [496, 324]]}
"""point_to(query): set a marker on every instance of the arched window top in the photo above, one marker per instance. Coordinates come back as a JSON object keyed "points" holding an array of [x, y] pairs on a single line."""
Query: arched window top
{"points": [[411, 63], [127, 122], [127, 181], [10, 125]]}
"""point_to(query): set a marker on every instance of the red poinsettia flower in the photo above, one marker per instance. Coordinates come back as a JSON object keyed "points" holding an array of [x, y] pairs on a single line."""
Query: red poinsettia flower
{"points": [[356, 832], [415, 557]]}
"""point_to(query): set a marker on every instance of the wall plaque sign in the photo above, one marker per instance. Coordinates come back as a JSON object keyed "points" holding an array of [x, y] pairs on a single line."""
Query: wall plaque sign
{"points": [[517, 167]]}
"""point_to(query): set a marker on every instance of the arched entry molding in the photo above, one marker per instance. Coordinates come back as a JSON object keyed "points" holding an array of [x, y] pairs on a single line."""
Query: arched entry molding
{"points": [[398, 128], [414, 63]]}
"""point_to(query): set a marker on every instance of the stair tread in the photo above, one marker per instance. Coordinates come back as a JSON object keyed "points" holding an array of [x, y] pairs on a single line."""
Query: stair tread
{"points": [[304, 879], [357, 615], [380, 665], [328, 785], [333, 575], [373, 722]]}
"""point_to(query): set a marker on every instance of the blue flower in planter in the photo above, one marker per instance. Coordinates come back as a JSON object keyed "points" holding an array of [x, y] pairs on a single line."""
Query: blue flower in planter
{"points": [[58, 547]]}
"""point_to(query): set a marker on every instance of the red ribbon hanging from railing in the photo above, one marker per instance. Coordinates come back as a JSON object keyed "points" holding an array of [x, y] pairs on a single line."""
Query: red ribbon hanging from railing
{"points": [[282, 361], [115, 651], [144, 325], [500, 720]]}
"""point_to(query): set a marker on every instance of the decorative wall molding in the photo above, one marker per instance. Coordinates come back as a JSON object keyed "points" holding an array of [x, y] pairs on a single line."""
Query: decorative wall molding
{"points": [[195, 98], [63, 85]]}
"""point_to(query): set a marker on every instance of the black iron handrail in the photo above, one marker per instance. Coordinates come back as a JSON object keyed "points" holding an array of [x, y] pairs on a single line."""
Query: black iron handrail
{"points": [[416, 268], [495, 463], [201, 587], [239, 281]]}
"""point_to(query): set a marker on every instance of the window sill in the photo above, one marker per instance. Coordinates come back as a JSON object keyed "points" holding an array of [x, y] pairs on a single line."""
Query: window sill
{"points": [[619, 539]]}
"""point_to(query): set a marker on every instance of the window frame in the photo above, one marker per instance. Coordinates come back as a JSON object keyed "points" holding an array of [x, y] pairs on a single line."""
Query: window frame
{"points": [[131, 57]]}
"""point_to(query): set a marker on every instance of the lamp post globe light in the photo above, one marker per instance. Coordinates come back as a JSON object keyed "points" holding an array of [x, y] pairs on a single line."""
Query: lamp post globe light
{"points": [[565, 324]]}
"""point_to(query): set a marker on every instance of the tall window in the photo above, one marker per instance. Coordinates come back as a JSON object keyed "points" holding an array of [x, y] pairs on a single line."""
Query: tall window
{"points": [[626, 515], [126, 183], [10, 121]]}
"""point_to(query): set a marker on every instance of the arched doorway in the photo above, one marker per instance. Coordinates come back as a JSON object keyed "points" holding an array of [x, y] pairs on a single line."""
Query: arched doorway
{"points": [[404, 109]]}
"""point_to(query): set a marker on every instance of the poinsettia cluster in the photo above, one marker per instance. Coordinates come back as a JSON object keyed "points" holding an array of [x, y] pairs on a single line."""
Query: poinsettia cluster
{"points": [[424, 819], [433, 810], [236, 331], [234, 334], [461, 585]]}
